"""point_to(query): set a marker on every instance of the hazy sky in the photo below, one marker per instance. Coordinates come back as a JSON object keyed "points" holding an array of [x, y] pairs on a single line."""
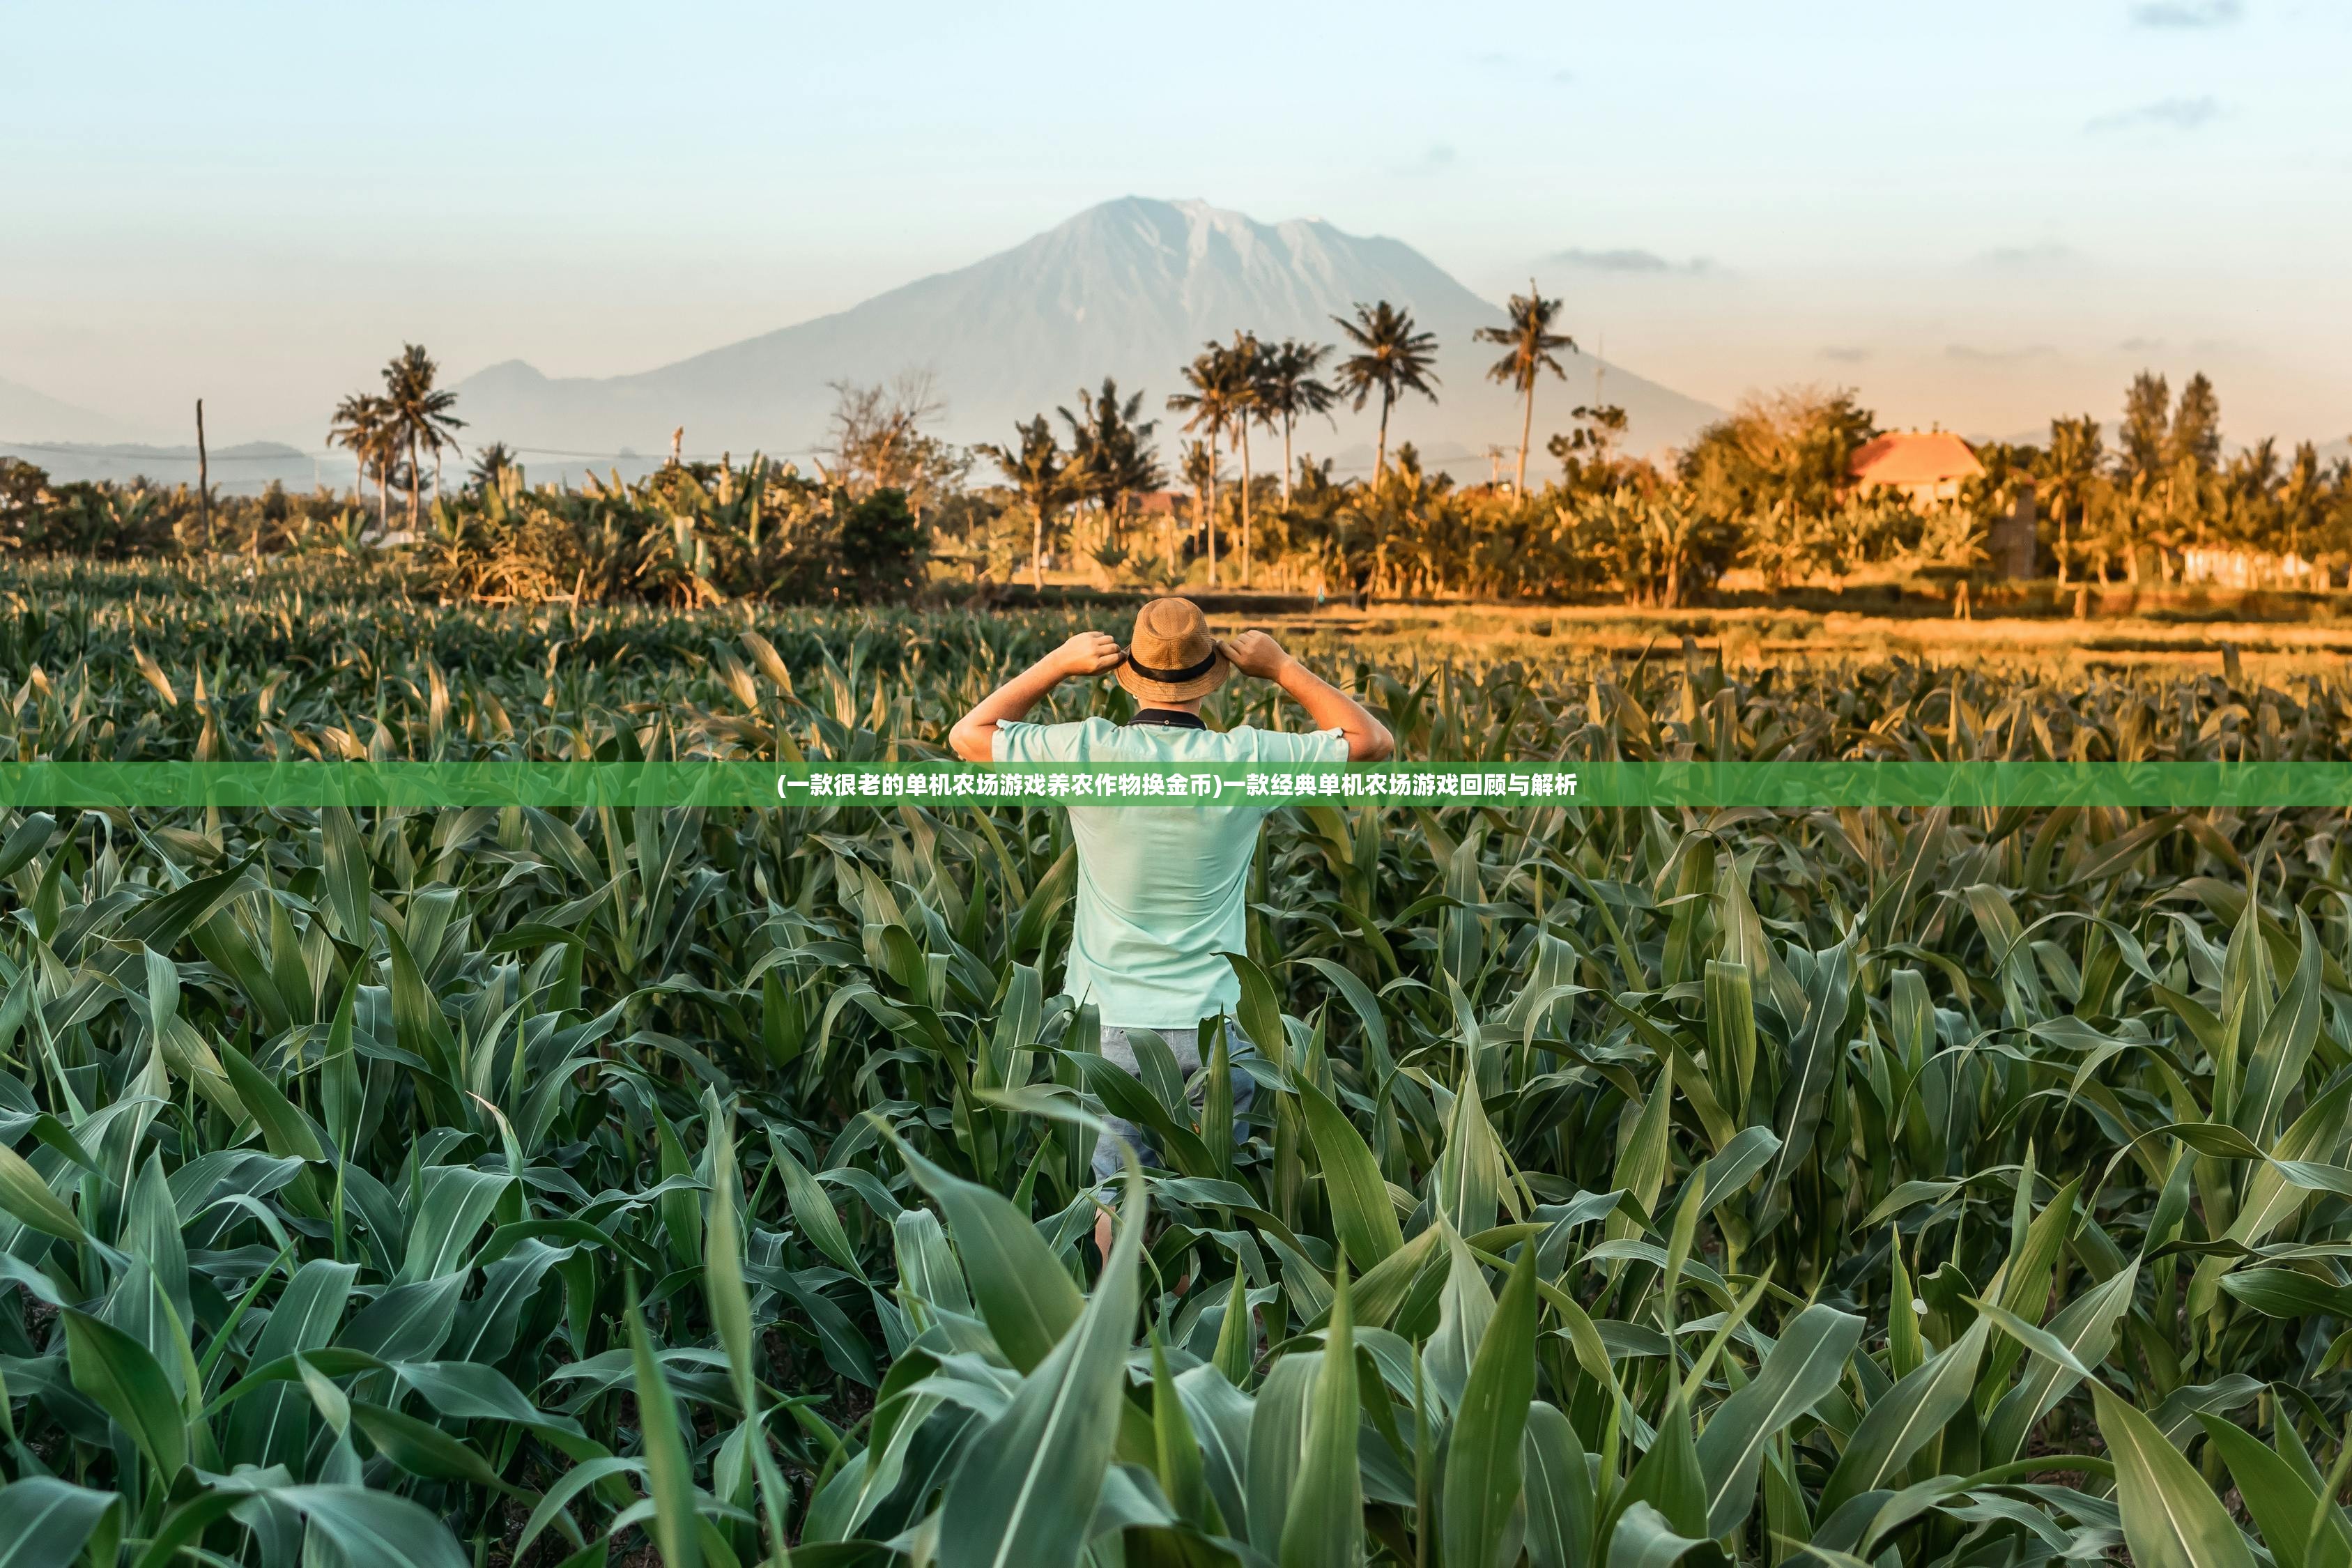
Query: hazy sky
{"points": [[1979, 215]]}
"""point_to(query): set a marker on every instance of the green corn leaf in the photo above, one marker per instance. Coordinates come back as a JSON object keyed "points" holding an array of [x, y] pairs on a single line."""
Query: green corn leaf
{"points": [[1804, 1367], [1360, 1002], [1027, 1493], [1280, 1417], [423, 1449], [1352, 1184], [1467, 1182], [457, 1202], [348, 874], [2273, 1069], [813, 1211], [272, 1426], [1558, 1488], [27, 1199], [285, 1130], [1323, 1525], [2086, 1328], [45, 1522], [1814, 1058], [24, 840], [343, 1097], [1730, 1032], [1907, 1418], [1260, 1012], [1184, 1474], [731, 1316], [2171, 1518], [1021, 1290], [119, 1374], [1483, 1461], [676, 1522], [2283, 1504], [1465, 1313], [374, 1528], [2288, 1293], [1643, 1538], [1384, 1289], [1668, 1478]]}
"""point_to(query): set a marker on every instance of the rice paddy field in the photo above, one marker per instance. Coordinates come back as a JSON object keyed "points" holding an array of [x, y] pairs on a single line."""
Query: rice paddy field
{"points": [[1918, 1189]]}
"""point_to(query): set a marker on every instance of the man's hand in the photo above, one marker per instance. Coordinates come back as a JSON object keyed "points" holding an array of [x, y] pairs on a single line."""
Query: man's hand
{"points": [[1089, 653], [1255, 653]]}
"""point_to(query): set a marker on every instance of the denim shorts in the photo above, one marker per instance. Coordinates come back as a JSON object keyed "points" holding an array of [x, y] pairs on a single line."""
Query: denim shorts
{"points": [[1185, 1045]]}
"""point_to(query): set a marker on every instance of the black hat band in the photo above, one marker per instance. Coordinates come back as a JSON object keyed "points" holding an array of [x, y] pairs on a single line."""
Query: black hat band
{"points": [[1175, 676]]}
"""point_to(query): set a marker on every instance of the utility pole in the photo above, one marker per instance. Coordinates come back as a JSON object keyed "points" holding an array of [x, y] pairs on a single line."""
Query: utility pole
{"points": [[204, 478]]}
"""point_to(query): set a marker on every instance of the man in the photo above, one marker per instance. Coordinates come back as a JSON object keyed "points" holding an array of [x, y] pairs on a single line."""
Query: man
{"points": [[1162, 889]]}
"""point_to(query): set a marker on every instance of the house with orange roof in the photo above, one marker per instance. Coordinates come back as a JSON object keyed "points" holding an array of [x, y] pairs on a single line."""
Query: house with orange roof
{"points": [[1926, 466]]}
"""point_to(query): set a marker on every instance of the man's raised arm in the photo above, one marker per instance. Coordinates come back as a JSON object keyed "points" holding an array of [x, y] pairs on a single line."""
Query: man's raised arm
{"points": [[974, 736], [1369, 740]]}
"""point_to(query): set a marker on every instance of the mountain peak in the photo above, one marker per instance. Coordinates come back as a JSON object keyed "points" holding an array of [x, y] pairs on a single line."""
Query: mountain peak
{"points": [[1128, 288], [29, 415]]}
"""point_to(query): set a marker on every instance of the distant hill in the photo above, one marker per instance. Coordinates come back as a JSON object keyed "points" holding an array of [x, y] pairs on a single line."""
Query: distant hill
{"points": [[246, 469], [29, 415], [1130, 288]]}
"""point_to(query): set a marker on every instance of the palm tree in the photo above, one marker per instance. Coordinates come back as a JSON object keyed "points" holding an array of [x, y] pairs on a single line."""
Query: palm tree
{"points": [[420, 412], [2070, 469], [1288, 387], [1043, 475], [1217, 397], [363, 425], [1200, 471], [1529, 341], [1247, 355], [1112, 459], [1392, 358], [491, 465]]}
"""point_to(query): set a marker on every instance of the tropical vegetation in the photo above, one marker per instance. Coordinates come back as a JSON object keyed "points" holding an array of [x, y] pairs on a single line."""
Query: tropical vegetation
{"points": [[1764, 498]]}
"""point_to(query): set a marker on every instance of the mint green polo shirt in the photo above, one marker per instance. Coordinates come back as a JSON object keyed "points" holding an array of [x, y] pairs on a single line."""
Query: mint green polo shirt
{"points": [[1162, 889]]}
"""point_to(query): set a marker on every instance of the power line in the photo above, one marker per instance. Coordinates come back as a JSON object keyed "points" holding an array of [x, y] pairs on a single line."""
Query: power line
{"points": [[290, 454]]}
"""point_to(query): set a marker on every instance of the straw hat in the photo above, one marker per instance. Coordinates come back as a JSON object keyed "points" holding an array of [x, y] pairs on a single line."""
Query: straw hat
{"points": [[1172, 657]]}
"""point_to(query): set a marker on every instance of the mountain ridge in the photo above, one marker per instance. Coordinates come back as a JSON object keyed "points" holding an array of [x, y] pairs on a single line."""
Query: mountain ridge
{"points": [[27, 415], [1130, 287]]}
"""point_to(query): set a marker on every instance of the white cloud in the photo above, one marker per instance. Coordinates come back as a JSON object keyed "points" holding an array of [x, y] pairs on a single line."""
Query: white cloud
{"points": [[2178, 113]]}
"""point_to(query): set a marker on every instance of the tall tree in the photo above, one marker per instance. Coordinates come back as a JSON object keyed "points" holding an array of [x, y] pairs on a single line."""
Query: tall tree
{"points": [[2195, 439], [1243, 372], [2069, 471], [2146, 428], [2302, 497], [1112, 458], [1214, 398], [1200, 471], [491, 465], [1528, 343], [1288, 387], [363, 425], [419, 412], [1392, 358], [2250, 495], [881, 440], [1040, 470]]}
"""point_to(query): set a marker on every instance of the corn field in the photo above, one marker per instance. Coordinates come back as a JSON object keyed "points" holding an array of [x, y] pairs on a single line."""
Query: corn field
{"points": [[1620, 1188]]}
